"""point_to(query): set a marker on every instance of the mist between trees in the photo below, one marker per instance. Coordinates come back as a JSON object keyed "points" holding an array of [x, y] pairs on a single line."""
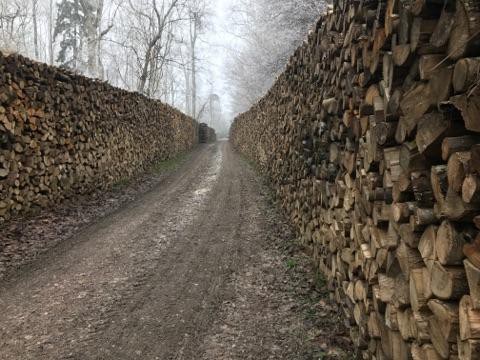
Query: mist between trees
{"points": [[165, 49]]}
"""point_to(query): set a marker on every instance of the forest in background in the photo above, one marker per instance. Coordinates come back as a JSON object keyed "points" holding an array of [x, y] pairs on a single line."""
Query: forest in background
{"points": [[166, 49]]}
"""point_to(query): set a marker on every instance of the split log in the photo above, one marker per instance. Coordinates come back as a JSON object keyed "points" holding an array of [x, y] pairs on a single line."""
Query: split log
{"points": [[449, 243], [465, 31], [418, 298], [469, 320], [452, 145], [473, 277], [471, 189], [444, 326], [457, 168], [466, 74], [468, 349], [448, 282]]}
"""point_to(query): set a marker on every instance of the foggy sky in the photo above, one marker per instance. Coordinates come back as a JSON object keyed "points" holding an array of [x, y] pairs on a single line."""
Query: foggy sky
{"points": [[216, 49]]}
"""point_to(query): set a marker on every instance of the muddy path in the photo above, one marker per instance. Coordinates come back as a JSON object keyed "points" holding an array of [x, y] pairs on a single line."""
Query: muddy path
{"points": [[196, 268]]}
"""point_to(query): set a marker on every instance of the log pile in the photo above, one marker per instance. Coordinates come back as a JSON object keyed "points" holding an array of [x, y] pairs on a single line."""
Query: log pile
{"points": [[64, 134], [371, 138], [206, 134]]}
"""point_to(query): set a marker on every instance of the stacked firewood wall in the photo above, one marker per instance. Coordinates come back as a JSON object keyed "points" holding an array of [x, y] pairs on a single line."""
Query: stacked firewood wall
{"points": [[371, 138], [64, 134], [206, 134]]}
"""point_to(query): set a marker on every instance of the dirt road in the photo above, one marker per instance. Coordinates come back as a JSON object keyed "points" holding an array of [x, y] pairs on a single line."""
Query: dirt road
{"points": [[190, 270]]}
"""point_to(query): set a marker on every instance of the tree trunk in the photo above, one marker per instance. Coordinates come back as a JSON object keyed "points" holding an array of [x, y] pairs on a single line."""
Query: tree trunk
{"points": [[193, 44], [145, 69], [35, 27], [194, 87]]}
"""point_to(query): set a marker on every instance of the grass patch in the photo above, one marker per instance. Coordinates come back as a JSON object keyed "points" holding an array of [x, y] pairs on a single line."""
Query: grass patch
{"points": [[291, 264], [320, 355], [121, 183], [320, 281], [157, 168], [311, 312], [169, 164]]}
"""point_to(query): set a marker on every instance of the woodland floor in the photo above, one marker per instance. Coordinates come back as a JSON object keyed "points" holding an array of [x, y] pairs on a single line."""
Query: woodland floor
{"points": [[190, 262]]}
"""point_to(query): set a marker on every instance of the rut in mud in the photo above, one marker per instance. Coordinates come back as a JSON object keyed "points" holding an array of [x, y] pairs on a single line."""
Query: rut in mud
{"points": [[200, 267]]}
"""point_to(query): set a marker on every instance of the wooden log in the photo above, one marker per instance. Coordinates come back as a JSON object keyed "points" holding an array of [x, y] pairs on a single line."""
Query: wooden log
{"points": [[422, 217], [427, 244], [473, 278], [475, 158], [401, 53], [449, 244], [408, 258], [386, 287], [465, 30], [468, 349], [406, 324], [401, 297], [472, 251], [451, 145], [408, 235], [469, 107], [420, 326], [422, 189], [444, 26], [440, 86], [439, 180], [428, 64], [424, 352], [385, 133], [465, 74], [471, 189], [374, 329], [448, 283], [418, 298], [414, 105], [444, 325], [421, 31], [401, 211], [457, 168], [411, 158], [399, 346], [469, 319], [431, 130], [454, 208]]}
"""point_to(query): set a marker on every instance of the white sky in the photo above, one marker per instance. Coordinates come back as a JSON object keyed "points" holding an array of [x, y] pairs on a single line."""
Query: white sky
{"points": [[218, 41]]}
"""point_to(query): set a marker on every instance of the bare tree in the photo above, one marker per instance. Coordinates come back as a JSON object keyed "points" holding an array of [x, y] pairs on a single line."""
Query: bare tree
{"points": [[93, 10], [158, 23], [197, 14], [13, 24], [50, 32], [186, 73], [194, 25], [35, 27], [268, 32], [93, 15]]}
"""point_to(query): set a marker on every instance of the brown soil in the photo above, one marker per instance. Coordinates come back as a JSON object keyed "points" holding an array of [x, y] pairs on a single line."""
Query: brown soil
{"points": [[202, 266]]}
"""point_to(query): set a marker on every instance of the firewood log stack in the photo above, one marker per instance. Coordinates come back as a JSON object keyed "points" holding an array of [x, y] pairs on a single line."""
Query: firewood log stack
{"points": [[371, 138], [63, 134], [206, 134]]}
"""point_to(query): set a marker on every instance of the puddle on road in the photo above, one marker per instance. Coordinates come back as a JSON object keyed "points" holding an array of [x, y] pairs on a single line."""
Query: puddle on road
{"points": [[191, 203], [201, 192], [210, 179]]}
